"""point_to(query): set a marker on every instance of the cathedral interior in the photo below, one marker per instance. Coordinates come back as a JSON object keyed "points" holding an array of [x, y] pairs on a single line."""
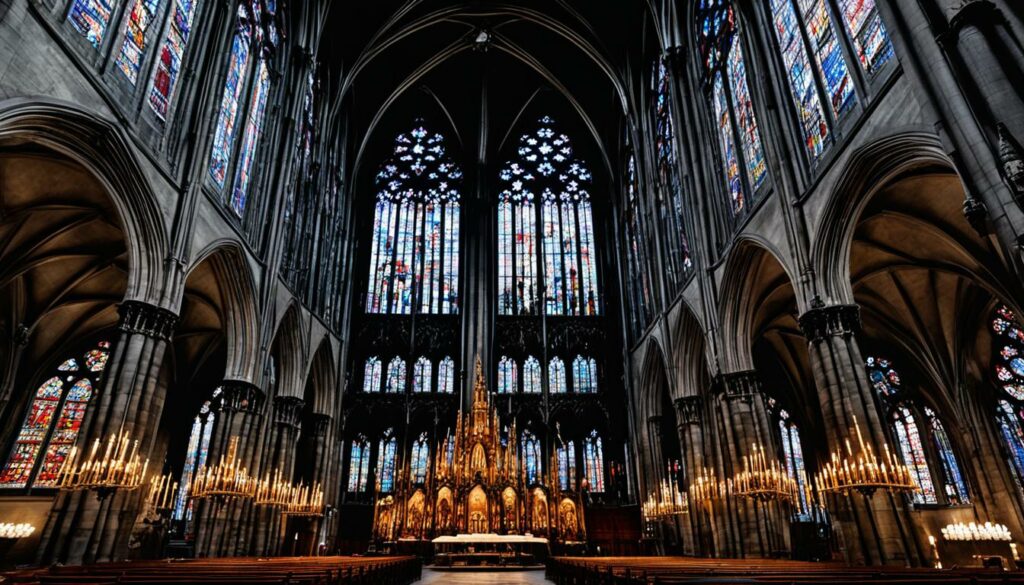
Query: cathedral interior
{"points": [[659, 287]]}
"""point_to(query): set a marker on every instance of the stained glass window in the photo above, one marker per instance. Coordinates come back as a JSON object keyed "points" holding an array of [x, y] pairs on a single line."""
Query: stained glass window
{"points": [[671, 192], [567, 466], [954, 485], [250, 141], [584, 375], [414, 251], [1009, 361], [794, 457], [168, 65], [195, 458], [420, 459], [359, 465], [639, 282], [1010, 426], [909, 440], [53, 420], [422, 372], [508, 375], [446, 376], [531, 376], [234, 85], [556, 376], [90, 19], [725, 73], [546, 172], [372, 375], [593, 462], [140, 18], [874, 49], [386, 462], [396, 376], [531, 458]]}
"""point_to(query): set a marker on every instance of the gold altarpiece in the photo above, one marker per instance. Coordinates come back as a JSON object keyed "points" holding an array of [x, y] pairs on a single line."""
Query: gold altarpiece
{"points": [[476, 485]]}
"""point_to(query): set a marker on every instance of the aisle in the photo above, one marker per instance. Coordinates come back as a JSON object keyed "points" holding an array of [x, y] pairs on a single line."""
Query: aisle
{"points": [[432, 577]]}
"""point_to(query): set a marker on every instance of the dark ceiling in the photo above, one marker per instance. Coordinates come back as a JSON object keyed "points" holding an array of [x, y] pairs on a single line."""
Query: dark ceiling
{"points": [[481, 72]]}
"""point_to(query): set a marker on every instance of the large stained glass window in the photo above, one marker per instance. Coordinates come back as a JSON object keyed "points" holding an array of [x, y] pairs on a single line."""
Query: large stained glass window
{"points": [[874, 49], [422, 372], [446, 376], [133, 49], [567, 466], [556, 376], [250, 140], [372, 375], [531, 376], [725, 73], [231, 100], [90, 18], [670, 196], [508, 375], [531, 458], [794, 457], [168, 65], [636, 240], [386, 455], [908, 439], [414, 251], [593, 462], [395, 383], [1008, 374], [53, 420], [420, 459], [546, 186], [584, 375], [359, 464], [195, 458], [953, 482]]}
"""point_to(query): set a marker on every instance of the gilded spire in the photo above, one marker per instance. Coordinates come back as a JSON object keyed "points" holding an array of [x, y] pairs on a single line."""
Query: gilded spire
{"points": [[480, 387]]}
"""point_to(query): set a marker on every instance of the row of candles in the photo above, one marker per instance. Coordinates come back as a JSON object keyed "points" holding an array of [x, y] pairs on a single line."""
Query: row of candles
{"points": [[9, 530], [668, 500], [864, 472], [976, 532]]}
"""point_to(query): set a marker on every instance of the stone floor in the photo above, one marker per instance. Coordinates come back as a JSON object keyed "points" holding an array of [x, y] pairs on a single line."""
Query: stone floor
{"points": [[431, 577]]}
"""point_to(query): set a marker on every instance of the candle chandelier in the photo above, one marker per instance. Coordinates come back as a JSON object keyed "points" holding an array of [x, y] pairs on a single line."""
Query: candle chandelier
{"points": [[9, 530], [162, 493], [228, 479], [705, 487], [667, 500], [120, 467], [864, 472], [305, 501], [764, 480], [273, 490], [973, 532]]}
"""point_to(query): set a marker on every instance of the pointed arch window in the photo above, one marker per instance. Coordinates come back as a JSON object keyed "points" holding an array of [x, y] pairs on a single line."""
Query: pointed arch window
{"points": [[446, 376], [90, 18], [556, 376], [793, 454], [508, 375], [420, 459], [231, 100], [909, 440], [725, 72], [670, 196], [195, 458], [531, 457], [874, 49], [395, 383], [386, 455], [358, 464], [133, 48], [584, 375], [636, 241], [414, 251], [372, 375], [250, 141], [567, 466], [1008, 374], [593, 462], [421, 376], [53, 420], [954, 486], [531, 376], [546, 186], [168, 65]]}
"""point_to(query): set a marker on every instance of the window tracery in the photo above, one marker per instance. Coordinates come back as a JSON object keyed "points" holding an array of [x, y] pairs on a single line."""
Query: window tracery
{"points": [[359, 464], [593, 462]]}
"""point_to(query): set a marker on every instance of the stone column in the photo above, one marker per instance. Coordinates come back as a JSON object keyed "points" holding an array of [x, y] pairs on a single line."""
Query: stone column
{"points": [[82, 528], [19, 339], [689, 416], [875, 530], [280, 457], [744, 422]]}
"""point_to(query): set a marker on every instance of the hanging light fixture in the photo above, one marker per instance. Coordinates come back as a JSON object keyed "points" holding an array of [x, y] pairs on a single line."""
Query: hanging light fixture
{"points": [[120, 467], [305, 501], [764, 479], [228, 479], [864, 472], [273, 490], [162, 493]]}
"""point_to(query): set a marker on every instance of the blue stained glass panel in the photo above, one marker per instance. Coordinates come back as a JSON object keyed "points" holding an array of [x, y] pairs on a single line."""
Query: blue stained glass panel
{"points": [[593, 462], [227, 117], [386, 462], [556, 376], [372, 375], [395, 383], [508, 378], [421, 375], [165, 76], [874, 49], [531, 376], [446, 376], [90, 19], [140, 17], [250, 141]]}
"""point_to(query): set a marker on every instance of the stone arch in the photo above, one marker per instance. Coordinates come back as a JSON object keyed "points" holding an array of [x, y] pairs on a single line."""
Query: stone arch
{"points": [[221, 275], [756, 292], [103, 149], [653, 380], [322, 377], [691, 355], [289, 351]]}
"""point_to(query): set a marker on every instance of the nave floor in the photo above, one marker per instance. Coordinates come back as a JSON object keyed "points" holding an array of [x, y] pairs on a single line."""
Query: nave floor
{"points": [[432, 577]]}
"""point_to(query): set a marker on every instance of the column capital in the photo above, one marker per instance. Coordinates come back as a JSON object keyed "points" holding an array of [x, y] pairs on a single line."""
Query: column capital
{"points": [[821, 322], [319, 423], [689, 410], [240, 396], [740, 385], [288, 410], [146, 319]]}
